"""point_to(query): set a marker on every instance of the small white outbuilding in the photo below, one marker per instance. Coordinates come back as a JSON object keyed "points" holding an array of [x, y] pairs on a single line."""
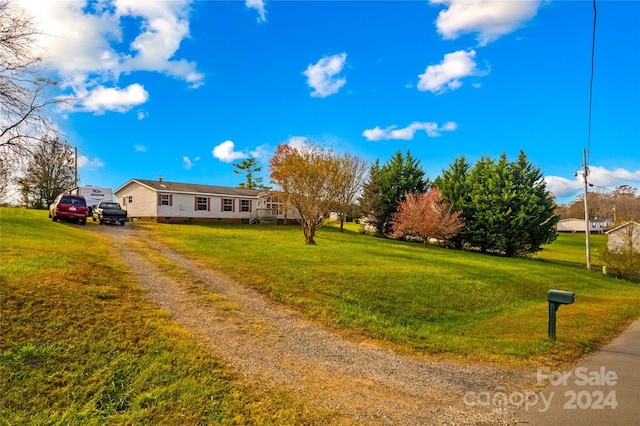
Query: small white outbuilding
{"points": [[624, 236]]}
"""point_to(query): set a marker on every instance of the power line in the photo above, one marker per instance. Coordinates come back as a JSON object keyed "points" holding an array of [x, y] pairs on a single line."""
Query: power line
{"points": [[588, 150], [624, 179], [593, 51]]}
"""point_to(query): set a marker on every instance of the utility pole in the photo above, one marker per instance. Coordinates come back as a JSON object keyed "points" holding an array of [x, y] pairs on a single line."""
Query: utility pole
{"points": [[76, 167], [587, 230]]}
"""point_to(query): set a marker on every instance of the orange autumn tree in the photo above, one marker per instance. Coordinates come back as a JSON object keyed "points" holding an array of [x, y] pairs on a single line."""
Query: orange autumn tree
{"points": [[304, 177], [426, 216]]}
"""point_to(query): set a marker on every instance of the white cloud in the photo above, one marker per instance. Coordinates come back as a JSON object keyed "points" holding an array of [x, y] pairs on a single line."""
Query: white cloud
{"points": [[141, 114], [84, 44], [258, 5], [598, 176], [563, 187], [490, 19], [447, 74], [89, 163], [449, 126], [322, 76], [262, 152], [103, 99], [140, 148], [298, 142], [226, 152], [407, 133], [187, 163], [164, 25]]}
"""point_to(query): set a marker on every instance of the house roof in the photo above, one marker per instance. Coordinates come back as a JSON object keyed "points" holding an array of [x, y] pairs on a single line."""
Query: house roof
{"points": [[192, 188], [573, 219], [623, 226]]}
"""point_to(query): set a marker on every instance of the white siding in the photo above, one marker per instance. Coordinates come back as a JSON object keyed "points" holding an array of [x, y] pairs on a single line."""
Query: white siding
{"points": [[624, 236], [571, 225], [578, 225], [143, 201], [184, 206]]}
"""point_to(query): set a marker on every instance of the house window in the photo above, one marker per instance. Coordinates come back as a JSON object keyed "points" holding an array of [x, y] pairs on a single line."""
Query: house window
{"points": [[227, 205], [275, 205], [202, 203], [129, 199], [245, 205], [165, 199]]}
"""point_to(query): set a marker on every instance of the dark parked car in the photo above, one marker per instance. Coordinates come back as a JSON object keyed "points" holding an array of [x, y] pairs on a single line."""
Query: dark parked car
{"points": [[109, 212], [67, 206]]}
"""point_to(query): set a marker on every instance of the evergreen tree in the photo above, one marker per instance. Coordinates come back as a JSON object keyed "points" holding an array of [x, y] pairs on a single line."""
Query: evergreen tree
{"points": [[505, 205], [479, 214], [371, 199], [454, 188], [249, 167], [532, 220], [398, 177]]}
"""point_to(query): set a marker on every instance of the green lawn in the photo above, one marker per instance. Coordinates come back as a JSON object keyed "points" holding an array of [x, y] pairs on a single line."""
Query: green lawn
{"points": [[79, 343], [571, 248], [434, 301]]}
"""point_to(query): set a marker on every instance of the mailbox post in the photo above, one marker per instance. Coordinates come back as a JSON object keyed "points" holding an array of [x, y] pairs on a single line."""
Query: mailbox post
{"points": [[555, 299]]}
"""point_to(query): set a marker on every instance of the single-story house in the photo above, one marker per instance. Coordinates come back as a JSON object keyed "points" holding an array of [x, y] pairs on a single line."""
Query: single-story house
{"points": [[624, 236], [173, 202], [578, 225]]}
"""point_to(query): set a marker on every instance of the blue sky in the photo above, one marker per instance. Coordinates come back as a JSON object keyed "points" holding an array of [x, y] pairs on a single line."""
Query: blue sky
{"points": [[184, 89]]}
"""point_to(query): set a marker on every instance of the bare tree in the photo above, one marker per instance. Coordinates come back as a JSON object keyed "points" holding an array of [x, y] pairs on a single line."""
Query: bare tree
{"points": [[623, 251], [5, 178], [348, 181], [25, 91]]}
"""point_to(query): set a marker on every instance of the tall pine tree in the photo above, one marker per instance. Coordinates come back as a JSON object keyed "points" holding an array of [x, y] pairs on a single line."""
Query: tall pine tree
{"points": [[371, 199], [532, 221], [398, 177], [455, 191], [505, 205]]}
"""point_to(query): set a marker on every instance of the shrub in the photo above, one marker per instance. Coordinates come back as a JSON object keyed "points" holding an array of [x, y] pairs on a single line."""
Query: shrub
{"points": [[625, 262]]}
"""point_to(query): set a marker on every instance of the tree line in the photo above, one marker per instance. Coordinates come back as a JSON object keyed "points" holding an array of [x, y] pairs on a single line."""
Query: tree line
{"points": [[619, 206], [495, 206]]}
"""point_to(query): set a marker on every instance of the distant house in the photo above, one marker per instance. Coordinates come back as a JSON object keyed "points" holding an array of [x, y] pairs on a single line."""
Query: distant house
{"points": [[578, 225], [624, 236], [173, 202]]}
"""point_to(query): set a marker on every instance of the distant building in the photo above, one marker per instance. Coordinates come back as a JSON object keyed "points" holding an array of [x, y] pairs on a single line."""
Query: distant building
{"points": [[624, 236], [596, 226]]}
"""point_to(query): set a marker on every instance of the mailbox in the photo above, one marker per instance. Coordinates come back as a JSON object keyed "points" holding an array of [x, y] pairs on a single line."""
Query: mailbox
{"points": [[555, 299], [561, 297]]}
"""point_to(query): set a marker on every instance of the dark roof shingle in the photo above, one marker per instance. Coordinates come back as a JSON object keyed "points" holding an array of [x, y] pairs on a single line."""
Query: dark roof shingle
{"points": [[163, 186]]}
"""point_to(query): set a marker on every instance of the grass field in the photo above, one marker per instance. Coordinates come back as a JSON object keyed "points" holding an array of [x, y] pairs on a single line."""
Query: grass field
{"points": [[433, 301], [571, 249], [81, 345]]}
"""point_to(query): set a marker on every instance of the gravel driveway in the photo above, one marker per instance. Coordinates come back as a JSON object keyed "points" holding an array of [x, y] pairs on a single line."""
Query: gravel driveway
{"points": [[272, 345]]}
